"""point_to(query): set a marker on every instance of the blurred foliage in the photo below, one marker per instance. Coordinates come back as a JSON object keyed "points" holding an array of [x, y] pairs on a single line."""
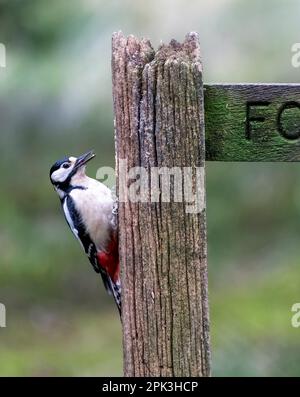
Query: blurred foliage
{"points": [[55, 100]]}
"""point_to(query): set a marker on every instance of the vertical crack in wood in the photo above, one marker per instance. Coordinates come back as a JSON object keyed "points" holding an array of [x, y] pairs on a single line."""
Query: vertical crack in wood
{"points": [[159, 122]]}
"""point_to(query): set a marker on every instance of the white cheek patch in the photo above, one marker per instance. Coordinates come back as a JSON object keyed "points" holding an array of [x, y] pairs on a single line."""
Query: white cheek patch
{"points": [[60, 175]]}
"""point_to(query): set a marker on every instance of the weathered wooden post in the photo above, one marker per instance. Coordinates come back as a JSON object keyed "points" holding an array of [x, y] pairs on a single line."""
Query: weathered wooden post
{"points": [[159, 122]]}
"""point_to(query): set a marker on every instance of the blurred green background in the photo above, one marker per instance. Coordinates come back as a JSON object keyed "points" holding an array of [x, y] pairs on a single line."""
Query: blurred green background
{"points": [[55, 100]]}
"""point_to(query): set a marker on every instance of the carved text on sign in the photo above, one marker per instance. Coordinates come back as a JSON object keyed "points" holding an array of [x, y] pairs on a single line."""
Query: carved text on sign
{"points": [[255, 113]]}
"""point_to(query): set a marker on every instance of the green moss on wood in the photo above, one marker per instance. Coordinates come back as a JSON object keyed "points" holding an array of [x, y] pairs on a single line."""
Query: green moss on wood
{"points": [[226, 117]]}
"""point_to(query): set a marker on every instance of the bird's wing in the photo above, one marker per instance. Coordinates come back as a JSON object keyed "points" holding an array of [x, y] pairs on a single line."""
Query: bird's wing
{"points": [[104, 262], [79, 232]]}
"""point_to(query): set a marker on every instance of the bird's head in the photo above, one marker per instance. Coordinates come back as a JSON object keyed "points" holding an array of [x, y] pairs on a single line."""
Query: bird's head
{"points": [[69, 171]]}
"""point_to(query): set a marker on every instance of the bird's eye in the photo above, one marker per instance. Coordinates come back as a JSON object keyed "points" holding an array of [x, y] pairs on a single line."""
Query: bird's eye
{"points": [[66, 165]]}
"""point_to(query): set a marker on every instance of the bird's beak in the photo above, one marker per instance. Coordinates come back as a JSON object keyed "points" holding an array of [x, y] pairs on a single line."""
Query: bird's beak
{"points": [[81, 160]]}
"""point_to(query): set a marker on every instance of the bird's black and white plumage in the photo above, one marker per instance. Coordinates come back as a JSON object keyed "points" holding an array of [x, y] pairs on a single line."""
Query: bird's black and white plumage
{"points": [[90, 211]]}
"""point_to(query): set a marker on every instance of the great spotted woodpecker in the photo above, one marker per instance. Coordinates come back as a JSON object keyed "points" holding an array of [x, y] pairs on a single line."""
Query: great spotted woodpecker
{"points": [[90, 211]]}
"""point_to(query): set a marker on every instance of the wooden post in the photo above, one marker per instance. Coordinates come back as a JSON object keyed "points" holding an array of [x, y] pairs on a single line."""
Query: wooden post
{"points": [[159, 122]]}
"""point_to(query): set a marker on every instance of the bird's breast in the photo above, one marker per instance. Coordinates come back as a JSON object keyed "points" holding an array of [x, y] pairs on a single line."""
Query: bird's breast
{"points": [[95, 210]]}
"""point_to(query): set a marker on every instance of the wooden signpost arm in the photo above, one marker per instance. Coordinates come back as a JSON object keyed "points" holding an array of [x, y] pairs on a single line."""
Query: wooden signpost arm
{"points": [[252, 122]]}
